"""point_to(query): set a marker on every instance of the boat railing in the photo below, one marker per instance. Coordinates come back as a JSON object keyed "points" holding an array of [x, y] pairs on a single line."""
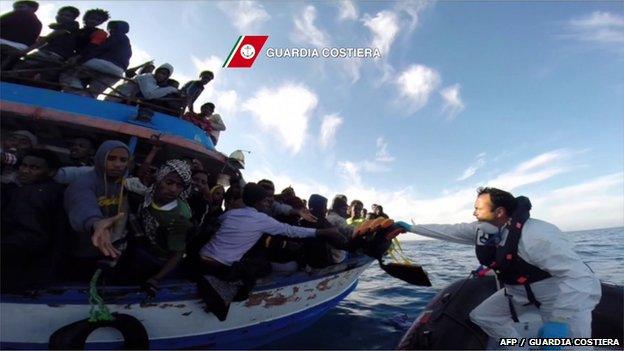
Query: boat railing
{"points": [[14, 75]]}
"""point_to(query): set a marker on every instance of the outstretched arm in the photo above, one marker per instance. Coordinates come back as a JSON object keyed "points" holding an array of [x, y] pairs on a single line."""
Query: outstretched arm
{"points": [[462, 233]]}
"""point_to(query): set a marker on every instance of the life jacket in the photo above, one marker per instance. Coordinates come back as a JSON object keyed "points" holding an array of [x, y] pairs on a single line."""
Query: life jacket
{"points": [[510, 268]]}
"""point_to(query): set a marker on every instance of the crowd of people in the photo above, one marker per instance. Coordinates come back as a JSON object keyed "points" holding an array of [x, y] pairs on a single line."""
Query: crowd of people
{"points": [[93, 62], [146, 222]]}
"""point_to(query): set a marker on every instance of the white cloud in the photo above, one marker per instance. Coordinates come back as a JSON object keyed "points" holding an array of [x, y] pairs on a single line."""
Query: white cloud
{"points": [[347, 10], [47, 15], [224, 99], [413, 10], [350, 172], [382, 154], [140, 56], [384, 27], [329, 127], [452, 101], [212, 63], [472, 169], [416, 84], [537, 169], [247, 16], [591, 204], [284, 111], [598, 27], [306, 31]]}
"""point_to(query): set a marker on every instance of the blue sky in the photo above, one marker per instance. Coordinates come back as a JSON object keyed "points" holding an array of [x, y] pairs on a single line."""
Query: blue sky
{"points": [[525, 96]]}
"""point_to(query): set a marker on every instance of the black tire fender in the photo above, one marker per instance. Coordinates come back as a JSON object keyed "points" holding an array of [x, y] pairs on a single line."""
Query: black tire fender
{"points": [[74, 336]]}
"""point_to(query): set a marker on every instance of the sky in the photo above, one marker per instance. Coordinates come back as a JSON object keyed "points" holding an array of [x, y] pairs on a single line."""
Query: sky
{"points": [[525, 96]]}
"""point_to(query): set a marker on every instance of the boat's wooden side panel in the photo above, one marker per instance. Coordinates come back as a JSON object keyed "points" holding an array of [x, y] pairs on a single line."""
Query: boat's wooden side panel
{"points": [[184, 323], [37, 103]]}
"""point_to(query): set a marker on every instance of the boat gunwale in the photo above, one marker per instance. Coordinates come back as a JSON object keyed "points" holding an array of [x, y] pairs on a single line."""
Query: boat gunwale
{"points": [[131, 129], [171, 290]]}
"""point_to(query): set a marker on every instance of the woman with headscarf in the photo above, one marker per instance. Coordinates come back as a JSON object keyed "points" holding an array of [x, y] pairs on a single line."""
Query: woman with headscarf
{"points": [[165, 219]]}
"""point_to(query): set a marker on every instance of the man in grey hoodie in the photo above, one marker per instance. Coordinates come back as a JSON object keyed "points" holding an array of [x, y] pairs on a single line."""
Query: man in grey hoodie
{"points": [[96, 206]]}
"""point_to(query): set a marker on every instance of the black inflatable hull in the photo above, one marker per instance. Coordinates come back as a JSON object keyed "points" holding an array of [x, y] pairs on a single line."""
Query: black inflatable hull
{"points": [[445, 325]]}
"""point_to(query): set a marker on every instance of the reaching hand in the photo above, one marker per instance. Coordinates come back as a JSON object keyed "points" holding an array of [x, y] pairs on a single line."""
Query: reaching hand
{"points": [[150, 287], [404, 225], [101, 237], [307, 215]]}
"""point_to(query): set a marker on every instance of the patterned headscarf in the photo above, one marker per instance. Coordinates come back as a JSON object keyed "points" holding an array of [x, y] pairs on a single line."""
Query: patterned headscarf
{"points": [[149, 222], [181, 168]]}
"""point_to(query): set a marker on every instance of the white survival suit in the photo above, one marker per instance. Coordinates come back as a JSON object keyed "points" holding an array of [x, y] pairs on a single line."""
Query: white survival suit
{"points": [[568, 296]]}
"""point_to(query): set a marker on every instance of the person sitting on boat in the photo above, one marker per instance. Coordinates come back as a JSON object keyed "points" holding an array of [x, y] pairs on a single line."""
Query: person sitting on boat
{"points": [[355, 213], [191, 90], [106, 63], [32, 222], [537, 265], [277, 208], [97, 208], [317, 252], [19, 29], [165, 219], [210, 122], [223, 255], [147, 86], [146, 67], [378, 211], [90, 36], [337, 217], [81, 152], [199, 198], [52, 50], [13, 149]]}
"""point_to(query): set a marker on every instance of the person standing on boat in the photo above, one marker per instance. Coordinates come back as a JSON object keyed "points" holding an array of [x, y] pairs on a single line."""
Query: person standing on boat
{"points": [[538, 267], [97, 207], [191, 90]]}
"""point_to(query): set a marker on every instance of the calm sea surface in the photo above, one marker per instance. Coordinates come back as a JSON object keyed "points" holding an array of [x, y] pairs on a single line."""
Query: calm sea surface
{"points": [[380, 310]]}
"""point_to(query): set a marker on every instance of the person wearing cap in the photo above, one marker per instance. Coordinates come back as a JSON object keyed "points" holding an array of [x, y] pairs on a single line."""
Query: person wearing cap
{"points": [[14, 148], [108, 62], [194, 88], [241, 228], [19, 29]]}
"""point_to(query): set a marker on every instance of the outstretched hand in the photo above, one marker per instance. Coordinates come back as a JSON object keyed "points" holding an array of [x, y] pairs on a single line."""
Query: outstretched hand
{"points": [[101, 237], [307, 215], [404, 225]]}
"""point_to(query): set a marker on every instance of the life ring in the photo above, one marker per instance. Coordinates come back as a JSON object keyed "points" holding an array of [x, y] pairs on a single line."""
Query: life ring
{"points": [[74, 336]]}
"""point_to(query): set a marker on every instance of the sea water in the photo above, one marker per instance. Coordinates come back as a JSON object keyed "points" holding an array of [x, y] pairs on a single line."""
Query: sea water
{"points": [[380, 310]]}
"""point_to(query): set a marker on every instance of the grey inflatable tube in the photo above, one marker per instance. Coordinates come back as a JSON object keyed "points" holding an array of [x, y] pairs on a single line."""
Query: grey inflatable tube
{"points": [[445, 325]]}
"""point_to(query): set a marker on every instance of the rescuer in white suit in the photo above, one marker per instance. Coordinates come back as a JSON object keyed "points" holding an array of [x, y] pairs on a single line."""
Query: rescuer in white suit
{"points": [[565, 289]]}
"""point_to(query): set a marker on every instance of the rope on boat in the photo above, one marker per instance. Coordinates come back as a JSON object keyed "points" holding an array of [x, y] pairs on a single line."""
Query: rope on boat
{"points": [[396, 252], [95, 300]]}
